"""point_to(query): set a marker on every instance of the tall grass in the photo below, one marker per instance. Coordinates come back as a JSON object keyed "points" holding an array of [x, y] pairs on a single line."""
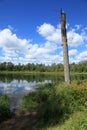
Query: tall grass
{"points": [[4, 108], [55, 104], [76, 121]]}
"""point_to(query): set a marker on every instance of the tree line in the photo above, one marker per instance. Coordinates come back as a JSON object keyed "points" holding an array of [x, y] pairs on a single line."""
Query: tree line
{"points": [[8, 66]]}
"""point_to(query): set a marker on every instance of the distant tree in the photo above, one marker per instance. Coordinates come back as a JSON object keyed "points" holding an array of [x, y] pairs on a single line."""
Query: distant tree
{"points": [[9, 66]]}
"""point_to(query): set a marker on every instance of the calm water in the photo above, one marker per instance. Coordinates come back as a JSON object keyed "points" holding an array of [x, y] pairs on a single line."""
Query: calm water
{"points": [[17, 85]]}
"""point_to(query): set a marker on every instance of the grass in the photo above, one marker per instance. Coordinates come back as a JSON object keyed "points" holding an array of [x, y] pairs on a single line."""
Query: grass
{"points": [[5, 112], [60, 107], [76, 121], [38, 72], [57, 106], [30, 72]]}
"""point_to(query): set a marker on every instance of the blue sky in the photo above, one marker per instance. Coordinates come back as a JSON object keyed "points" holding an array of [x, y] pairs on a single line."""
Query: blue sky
{"points": [[30, 31]]}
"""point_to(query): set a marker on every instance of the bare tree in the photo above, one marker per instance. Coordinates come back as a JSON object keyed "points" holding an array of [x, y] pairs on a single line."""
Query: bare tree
{"points": [[65, 47]]}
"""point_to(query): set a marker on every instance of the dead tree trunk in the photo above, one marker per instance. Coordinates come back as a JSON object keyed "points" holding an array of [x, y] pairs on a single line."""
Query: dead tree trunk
{"points": [[65, 47]]}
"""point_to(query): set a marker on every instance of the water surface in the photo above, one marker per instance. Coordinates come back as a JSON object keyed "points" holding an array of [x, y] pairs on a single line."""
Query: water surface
{"points": [[18, 85]]}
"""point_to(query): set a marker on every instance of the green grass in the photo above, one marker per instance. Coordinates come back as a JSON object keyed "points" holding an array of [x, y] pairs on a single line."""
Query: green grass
{"points": [[5, 112], [31, 72], [60, 107], [76, 121], [56, 106], [37, 72]]}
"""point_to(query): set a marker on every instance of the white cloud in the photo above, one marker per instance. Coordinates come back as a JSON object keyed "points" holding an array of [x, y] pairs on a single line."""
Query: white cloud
{"points": [[11, 44], [53, 34], [82, 56], [55, 37], [17, 50], [74, 39], [50, 33], [22, 50], [46, 29], [73, 52]]}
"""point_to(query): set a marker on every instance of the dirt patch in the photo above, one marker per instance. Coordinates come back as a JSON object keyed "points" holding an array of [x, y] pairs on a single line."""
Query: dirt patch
{"points": [[23, 121]]}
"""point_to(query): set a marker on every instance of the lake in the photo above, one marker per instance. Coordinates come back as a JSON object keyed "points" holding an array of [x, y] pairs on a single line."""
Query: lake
{"points": [[18, 85]]}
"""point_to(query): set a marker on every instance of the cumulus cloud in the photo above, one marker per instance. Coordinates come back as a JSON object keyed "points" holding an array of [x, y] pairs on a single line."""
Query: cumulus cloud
{"points": [[74, 38], [10, 42], [50, 33], [17, 50], [46, 29], [73, 52], [82, 56], [20, 50], [53, 34]]}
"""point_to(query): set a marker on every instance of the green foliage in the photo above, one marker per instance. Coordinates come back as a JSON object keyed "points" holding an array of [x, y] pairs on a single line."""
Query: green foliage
{"points": [[54, 104], [29, 102], [34, 99], [8, 66], [80, 67], [4, 108], [76, 121]]}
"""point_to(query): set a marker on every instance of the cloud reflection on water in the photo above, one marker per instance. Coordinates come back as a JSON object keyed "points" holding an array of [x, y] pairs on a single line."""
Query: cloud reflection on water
{"points": [[16, 89]]}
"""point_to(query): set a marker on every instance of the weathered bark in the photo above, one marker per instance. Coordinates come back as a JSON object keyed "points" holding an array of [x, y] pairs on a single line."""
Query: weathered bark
{"points": [[65, 48]]}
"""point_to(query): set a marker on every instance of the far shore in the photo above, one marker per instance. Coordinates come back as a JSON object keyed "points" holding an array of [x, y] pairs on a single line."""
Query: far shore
{"points": [[38, 72]]}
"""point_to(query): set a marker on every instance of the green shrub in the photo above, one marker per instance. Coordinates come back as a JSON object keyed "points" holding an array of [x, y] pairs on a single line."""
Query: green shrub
{"points": [[76, 121], [58, 105], [32, 101], [29, 102], [55, 104], [4, 108]]}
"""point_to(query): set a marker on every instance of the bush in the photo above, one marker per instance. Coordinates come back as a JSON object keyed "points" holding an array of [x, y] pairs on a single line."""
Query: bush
{"points": [[4, 108], [76, 121], [32, 101], [55, 104]]}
